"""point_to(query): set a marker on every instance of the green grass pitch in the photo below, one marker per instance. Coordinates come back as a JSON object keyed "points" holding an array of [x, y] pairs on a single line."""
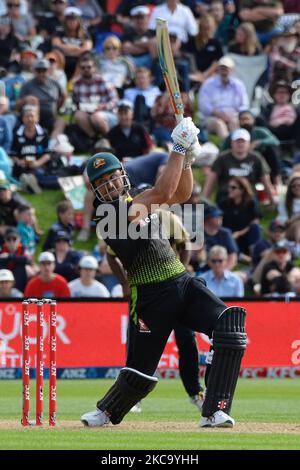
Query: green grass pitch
{"points": [[267, 414]]}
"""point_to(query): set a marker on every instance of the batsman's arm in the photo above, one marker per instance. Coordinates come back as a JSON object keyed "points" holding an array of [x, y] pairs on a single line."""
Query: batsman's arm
{"points": [[120, 273]]}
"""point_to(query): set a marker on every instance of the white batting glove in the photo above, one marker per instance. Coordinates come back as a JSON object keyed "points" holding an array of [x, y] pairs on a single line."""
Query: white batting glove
{"points": [[183, 135], [191, 154]]}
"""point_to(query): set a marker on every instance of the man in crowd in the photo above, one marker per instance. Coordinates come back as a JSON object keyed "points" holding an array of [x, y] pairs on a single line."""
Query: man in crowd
{"points": [[136, 40], [86, 285]]}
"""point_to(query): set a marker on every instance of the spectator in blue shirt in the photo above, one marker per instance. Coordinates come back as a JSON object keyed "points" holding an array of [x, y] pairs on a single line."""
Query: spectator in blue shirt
{"points": [[220, 280], [5, 135], [215, 234]]}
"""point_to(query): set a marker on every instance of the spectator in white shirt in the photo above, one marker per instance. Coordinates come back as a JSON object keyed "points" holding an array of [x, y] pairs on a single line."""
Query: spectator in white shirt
{"points": [[86, 285], [179, 17], [219, 280], [221, 98]]}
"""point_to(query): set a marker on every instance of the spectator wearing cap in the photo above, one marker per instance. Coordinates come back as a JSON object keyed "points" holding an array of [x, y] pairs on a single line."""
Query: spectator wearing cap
{"points": [[7, 282], [206, 48], [289, 208], [114, 67], [281, 116], [14, 257], [64, 223], [29, 149], [66, 259], [136, 40], [142, 95], [262, 249], [262, 141], [47, 284], [128, 139], [218, 278], [73, 41], [178, 16], [91, 14], [221, 98], [241, 214], [263, 14], [23, 25], [10, 202], [51, 97], [86, 285], [216, 234], [280, 264], [238, 161], [96, 100], [52, 21]]}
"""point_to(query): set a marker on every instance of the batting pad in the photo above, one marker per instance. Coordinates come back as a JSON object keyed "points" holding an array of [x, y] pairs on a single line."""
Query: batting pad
{"points": [[130, 387], [229, 344]]}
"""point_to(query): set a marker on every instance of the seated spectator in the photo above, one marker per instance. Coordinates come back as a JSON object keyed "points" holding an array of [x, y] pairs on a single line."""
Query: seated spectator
{"points": [[281, 117], [127, 138], [206, 49], [262, 141], [241, 215], [7, 116], [66, 259], [239, 161], [281, 287], [26, 229], [5, 135], [56, 68], [47, 284], [5, 166], [219, 279], [9, 43], [23, 25], [215, 234], [142, 96], [73, 40], [64, 223], [283, 55], [86, 285], [30, 149], [95, 99], [113, 66], [280, 264], [91, 14], [52, 22], [136, 40], [179, 18], [226, 19], [163, 119], [7, 282], [14, 257], [263, 247], [9, 203], [263, 14], [245, 41], [289, 208], [51, 97], [221, 98]]}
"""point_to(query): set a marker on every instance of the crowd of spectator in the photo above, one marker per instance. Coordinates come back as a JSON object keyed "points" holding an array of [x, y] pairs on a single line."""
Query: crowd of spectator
{"points": [[83, 76]]}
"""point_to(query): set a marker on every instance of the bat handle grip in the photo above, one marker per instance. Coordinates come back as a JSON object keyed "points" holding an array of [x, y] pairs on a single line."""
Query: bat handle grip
{"points": [[178, 117]]}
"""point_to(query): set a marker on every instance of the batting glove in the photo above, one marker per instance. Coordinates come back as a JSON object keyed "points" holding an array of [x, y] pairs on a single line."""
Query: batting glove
{"points": [[184, 135], [191, 155]]}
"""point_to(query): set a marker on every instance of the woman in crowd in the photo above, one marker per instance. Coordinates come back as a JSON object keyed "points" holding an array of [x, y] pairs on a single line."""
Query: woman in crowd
{"points": [[73, 40], [114, 67], [245, 41], [241, 214], [91, 14], [289, 208], [56, 69]]}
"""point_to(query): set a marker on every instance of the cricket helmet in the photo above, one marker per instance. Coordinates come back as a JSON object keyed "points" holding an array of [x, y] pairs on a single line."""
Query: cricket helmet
{"points": [[100, 165]]}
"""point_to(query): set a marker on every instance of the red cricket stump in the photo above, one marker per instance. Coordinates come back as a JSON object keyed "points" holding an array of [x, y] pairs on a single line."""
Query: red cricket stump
{"points": [[25, 364], [39, 363], [52, 365]]}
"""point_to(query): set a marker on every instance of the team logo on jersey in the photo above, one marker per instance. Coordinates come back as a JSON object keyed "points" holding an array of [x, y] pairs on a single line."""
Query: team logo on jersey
{"points": [[143, 327], [99, 162]]}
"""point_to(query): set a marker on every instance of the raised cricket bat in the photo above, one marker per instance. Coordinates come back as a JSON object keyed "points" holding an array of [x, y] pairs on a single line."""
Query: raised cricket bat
{"points": [[167, 65]]}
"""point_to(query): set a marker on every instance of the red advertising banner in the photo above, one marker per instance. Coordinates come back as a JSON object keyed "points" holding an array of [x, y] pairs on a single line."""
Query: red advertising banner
{"points": [[93, 334]]}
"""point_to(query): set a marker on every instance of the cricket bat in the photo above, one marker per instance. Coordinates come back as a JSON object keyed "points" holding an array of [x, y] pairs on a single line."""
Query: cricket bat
{"points": [[167, 65]]}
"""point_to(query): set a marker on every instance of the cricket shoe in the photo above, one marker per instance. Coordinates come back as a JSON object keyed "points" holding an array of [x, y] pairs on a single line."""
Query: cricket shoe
{"points": [[137, 408], [94, 419], [218, 420], [198, 400]]}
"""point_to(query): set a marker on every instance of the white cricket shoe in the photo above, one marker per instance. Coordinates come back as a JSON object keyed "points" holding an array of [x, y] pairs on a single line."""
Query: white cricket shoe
{"points": [[95, 419], [218, 420], [198, 400], [137, 408]]}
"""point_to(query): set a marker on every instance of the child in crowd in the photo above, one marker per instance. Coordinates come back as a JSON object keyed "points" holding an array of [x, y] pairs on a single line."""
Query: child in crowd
{"points": [[25, 228]]}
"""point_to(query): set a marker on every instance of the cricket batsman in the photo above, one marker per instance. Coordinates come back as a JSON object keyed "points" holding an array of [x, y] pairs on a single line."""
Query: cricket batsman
{"points": [[163, 294]]}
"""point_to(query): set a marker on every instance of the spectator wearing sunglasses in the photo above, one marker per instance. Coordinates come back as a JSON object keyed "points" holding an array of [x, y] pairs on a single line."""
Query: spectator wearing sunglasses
{"points": [[23, 25], [52, 22], [219, 279]]}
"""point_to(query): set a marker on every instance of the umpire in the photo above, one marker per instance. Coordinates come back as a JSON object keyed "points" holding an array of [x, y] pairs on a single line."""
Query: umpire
{"points": [[162, 292]]}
